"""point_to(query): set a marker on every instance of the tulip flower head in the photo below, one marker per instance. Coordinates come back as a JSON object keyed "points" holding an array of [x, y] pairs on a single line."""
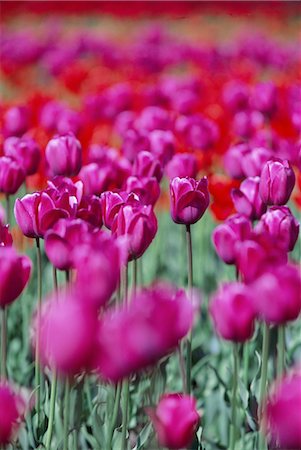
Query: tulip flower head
{"points": [[64, 155], [11, 413], [247, 200], [24, 150], [12, 175], [277, 181]]}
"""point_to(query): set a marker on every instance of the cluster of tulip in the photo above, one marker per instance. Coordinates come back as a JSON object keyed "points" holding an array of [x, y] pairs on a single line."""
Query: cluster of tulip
{"points": [[99, 173]]}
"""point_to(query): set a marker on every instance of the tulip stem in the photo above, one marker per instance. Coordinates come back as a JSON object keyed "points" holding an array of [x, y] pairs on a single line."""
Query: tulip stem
{"points": [[233, 426], [52, 410], [7, 198], [281, 351], [126, 384], [66, 413], [3, 341], [190, 284], [112, 422], [38, 375], [263, 382]]}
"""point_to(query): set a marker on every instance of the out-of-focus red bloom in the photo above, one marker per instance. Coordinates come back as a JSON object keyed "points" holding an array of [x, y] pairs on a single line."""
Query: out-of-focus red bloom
{"points": [[220, 188]]}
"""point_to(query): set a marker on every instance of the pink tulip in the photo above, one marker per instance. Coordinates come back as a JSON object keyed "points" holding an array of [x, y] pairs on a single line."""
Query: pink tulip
{"points": [[254, 160], [11, 413], [264, 98], [89, 210], [182, 165], [236, 95], [175, 420], [135, 141], [16, 120], [232, 312], [64, 155], [137, 336], [198, 131], [281, 225], [247, 200], [138, 224], [36, 213], [282, 412], [68, 330], [96, 179], [277, 181], [6, 239], [153, 118], [246, 123], [162, 145], [277, 297], [15, 272], [146, 188], [65, 194], [147, 165], [12, 175], [111, 202], [225, 237], [24, 150], [233, 160], [189, 199]]}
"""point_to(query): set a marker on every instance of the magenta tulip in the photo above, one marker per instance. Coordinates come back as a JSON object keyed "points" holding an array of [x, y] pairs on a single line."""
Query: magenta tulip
{"points": [[147, 165], [65, 194], [15, 272], [11, 413], [6, 239], [232, 312], [12, 175], [64, 155], [24, 150], [198, 131], [16, 120], [236, 95], [247, 200], [233, 160], [182, 165], [146, 188], [153, 118], [175, 420], [277, 181], [162, 145], [189, 199], [254, 160], [89, 210], [96, 179], [264, 98]]}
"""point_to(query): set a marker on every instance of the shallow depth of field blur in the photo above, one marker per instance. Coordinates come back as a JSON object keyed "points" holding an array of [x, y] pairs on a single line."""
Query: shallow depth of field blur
{"points": [[97, 61]]}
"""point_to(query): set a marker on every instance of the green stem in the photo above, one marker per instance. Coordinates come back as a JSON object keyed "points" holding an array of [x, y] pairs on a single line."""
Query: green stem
{"points": [[190, 284], [51, 411], [126, 384], [7, 204], [113, 420], [38, 376], [281, 351], [263, 381], [246, 357], [233, 426], [3, 341], [66, 414]]}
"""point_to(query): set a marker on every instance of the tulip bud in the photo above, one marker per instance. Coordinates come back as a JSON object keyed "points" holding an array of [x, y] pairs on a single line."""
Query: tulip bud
{"points": [[11, 413], [281, 415], [16, 120], [15, 272], [12, 175], [182, 165], [175, 420], [189, 199], [162, 145], [96, 179], [281, 225], [64, 155], [277, 181], [254, 160], [25, 151], [146, 188], [247, 200], [147, 165], [233, 160], [276, 296], [226, 236], [264, 98], [232, 312]]}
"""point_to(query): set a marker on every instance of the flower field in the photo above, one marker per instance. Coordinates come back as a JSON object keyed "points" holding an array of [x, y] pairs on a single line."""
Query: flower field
{"points": [[150, 201]]}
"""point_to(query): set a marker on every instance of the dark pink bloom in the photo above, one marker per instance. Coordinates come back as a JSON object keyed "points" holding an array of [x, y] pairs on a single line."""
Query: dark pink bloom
{"points": [[147, 165], [233, 160], [198, 131], [24, 150], [6, 239], [90, 210], [146, 188], [247, 200], [225, 237], [282, 412], [102, 154], [96, 179], [189, 199], [16, 120], [254, 160], [11, 413], [64, 155], [175, 420], [153, 118], [68, 330], [264, 98], [282, 226], [276, 292], [65, 194], [162, 145], [277, 181], [135, 141], [182, 165], [138, 224], [137, 336], [12, 175], [246, 123], [236, 95], [49, 115], [111, 202], [36, 213], [15, 272]]}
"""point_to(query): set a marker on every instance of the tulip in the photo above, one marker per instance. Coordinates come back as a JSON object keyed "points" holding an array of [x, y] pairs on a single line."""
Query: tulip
{"points": [[189, 199], [162, 145], [281, 415], [68, 121], [64, 155], [6, 239], [65, 194], [233, 160], [277, 181], [225, 237], [24, 150], [232, 312], [36, 213], [96, 179], [67, 334], [102, 154], [147, 165], [254, 160], [135, 141], [153, 118], [138, 224], [16, 120], [246, 123], [49, 115], [282, 226], [137, 336], [276, 296], [198, 131], [182, 165], [175, 420], [111, 202], [11, 413], [90, 210], [15, 272], [146, 188], [264, 98], [12, 175], [2, 215], [236, 95], [247, 200]]}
